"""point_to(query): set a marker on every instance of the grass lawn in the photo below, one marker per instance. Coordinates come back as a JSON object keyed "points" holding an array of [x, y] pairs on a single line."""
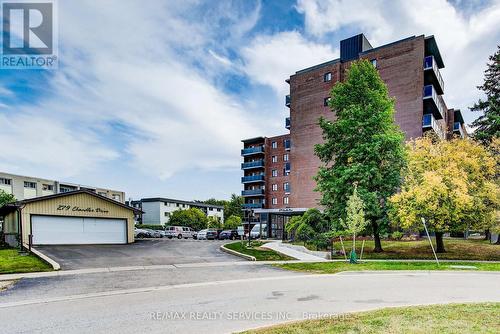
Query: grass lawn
{"points": [[442, 319], [456, 249], [335, 267], [11, 262], [260, 254]]}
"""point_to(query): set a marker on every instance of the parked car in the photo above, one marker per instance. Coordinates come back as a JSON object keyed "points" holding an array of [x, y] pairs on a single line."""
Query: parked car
{"points": [[141, 233], [212, 234], [228, 234], [153, 233], [179, 232], [255, 233], [207, 234], [201, 235]]}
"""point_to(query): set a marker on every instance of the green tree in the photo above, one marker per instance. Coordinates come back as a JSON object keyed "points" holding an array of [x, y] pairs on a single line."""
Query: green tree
{"points": [[232, 222], [193, 217], [355, 221], [362, 146], [488, 125], [231, 207], [308, 226], [6, 198], [213, 222], [449, 183]]}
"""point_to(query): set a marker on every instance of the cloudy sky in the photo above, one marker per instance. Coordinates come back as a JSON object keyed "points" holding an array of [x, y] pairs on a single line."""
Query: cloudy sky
{"points": [[153, 97]]}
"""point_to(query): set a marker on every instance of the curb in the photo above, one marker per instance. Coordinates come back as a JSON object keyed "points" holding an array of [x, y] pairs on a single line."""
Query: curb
{"points": [[47, 259], [232, 252]]}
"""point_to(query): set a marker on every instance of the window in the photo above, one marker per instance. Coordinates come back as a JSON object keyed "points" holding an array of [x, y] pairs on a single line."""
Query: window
{"points": [[374, 62], [286, 143], [286, 187], [218, 209], [274, 144], [274, 187], [285, 200], [5, 181], [116, 197], [326, 101], [31, 185], [100, 193], [274, 201], [274, 158], [285, 157], [274, 173], [167, 214], [327, 77]]}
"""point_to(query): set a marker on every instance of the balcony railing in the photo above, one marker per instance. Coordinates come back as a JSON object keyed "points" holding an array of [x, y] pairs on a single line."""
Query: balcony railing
{"points": [[432, 74], [252, 192], [457, 128], [252, 150], [429, 122], [253, 205], [252, 178], [288, 123], [252, 164], [287, 101], [432, 102]]}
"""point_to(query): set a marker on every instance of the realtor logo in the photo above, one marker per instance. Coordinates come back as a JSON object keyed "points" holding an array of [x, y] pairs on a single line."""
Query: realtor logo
{"points": [[28, 35]]}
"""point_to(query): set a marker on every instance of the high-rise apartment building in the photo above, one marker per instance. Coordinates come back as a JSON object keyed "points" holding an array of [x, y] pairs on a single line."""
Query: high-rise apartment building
{"points": [[411, 70]]}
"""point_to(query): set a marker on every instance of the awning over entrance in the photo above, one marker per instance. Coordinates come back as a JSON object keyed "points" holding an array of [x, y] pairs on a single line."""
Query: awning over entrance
{"points": [[284, 212]]}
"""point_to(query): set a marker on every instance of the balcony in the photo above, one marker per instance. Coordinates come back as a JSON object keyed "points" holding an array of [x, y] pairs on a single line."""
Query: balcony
{"points": [[252, 178], [432, 76], [287, 167], [457, 129], [430, 123], [287, 144], [287, 123], [253, 164], [433, 103], [288, 101], [252, 192], [252, 150], [253, 205]]}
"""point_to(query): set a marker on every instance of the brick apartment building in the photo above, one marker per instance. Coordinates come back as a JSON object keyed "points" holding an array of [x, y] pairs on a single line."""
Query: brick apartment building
{"points": [[410, 69]]}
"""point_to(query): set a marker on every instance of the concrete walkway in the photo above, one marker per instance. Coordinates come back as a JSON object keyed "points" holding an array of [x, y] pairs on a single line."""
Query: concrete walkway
{"points": [[280, 248]]}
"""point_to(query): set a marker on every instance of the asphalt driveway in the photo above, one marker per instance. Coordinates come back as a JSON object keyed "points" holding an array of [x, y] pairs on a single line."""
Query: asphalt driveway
{"points": [[141, 253]]}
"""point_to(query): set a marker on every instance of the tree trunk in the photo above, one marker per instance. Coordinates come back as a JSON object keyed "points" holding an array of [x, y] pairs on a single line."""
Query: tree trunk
{"points": [[376, 237], [439, 243], [487, 234]]}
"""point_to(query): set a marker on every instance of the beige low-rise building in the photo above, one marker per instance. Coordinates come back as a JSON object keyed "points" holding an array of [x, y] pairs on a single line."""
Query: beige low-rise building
{"points": [[26, 187], [77, 217]]}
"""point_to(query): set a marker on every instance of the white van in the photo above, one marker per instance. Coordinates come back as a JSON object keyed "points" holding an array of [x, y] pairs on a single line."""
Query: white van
{"points": [[255, 232], [179, 232]]}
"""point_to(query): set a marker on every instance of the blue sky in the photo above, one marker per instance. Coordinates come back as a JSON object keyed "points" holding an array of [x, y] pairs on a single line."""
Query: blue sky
{"points": [[154, 97]]}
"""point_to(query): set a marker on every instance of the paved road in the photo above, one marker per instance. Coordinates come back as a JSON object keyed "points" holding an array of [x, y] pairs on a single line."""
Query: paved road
{"points": [[224, 307], [141, 253]]}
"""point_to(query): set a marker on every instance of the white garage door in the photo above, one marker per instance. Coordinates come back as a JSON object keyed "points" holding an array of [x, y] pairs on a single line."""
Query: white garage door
{"points": [[72, 230]]}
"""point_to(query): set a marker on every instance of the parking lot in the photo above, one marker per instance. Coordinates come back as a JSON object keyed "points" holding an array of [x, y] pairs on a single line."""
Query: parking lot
{"points": [[141, 253]]}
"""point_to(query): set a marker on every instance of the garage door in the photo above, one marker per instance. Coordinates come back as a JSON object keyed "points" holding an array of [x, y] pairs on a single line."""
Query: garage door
{"points": [[72, 230]]}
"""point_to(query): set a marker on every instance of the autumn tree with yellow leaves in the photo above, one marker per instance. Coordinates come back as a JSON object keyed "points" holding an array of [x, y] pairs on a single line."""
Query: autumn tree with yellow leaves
{"points": [[452, 184]]}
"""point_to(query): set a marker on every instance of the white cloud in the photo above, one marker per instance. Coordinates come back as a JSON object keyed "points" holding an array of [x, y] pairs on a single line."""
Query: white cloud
{"points": [[465, 39], [34, 141], [269, 60], [127, 80]]}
